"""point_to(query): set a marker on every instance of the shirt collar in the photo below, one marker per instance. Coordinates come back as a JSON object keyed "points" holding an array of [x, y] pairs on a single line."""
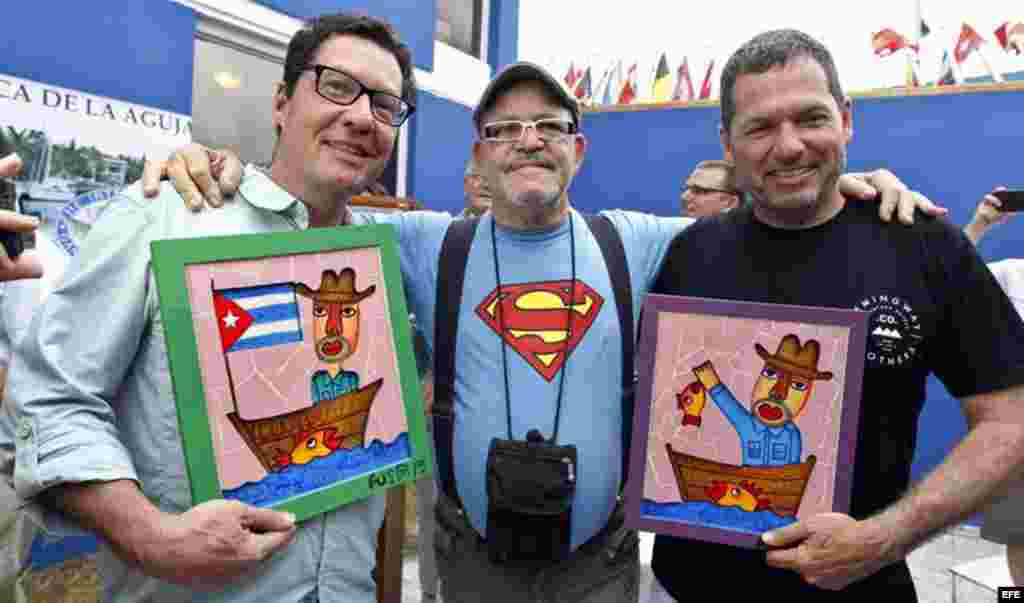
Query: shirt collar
{"points": [[760, 427], [259, 190]]}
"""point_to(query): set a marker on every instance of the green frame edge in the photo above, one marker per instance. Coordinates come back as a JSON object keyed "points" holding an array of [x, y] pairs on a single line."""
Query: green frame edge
{"points": [[170, 259]]}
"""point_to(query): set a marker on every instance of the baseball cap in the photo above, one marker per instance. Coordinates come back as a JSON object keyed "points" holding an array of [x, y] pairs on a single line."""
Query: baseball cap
{"points": [[525, 71]]}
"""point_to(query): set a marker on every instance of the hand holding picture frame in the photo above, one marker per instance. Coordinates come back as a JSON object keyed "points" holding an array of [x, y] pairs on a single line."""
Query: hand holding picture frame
{"points": [[704, 464], [292, 364]]}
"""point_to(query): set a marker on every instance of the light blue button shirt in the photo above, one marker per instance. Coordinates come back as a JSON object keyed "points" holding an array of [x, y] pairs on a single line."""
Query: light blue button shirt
{"points": [[90, 399], [761, 444]]}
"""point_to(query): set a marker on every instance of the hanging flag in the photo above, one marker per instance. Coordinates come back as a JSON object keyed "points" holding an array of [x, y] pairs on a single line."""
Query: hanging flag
{"points": [[887, 41], [946, 75], [1011, 37], [614, 84], [257, 317], [601, 91], [684, 85], [912, 81], [968, 42], [583, 91], [571, 76], [628, 93], [924, 30], [705, 88], [661, 88]]}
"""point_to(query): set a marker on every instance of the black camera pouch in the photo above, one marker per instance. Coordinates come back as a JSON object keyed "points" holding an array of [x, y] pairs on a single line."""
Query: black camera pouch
{"points": [[530, 489]]}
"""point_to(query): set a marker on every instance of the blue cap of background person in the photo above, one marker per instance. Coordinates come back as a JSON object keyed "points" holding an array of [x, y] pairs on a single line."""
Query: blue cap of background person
{"points": [[525, 72]]}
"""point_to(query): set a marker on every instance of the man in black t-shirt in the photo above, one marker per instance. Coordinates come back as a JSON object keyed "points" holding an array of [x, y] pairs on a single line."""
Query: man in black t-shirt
{"points": [[785, 125]]}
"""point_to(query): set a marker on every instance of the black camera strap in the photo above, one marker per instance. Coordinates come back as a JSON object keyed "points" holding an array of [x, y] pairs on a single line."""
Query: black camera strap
{"points": [[450, 279], [568, 326]]}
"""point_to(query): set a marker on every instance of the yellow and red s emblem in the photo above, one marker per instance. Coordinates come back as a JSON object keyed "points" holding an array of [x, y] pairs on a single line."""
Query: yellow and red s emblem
{"points": [[536, 318]]}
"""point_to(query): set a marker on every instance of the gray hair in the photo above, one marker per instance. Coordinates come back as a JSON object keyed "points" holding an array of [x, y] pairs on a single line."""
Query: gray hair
{"points": [[770, 49]]}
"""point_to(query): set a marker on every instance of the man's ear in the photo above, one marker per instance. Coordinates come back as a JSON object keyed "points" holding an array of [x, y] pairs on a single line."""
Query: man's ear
{"points": [[581, 149], [478, 152], [847, 116], [723, 136], [279, 104]]}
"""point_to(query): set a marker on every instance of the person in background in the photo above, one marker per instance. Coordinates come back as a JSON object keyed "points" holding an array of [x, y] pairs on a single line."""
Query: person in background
{"points": [[1003, 520], [987, 215], [709, 190], [26, 265], [478, 195]]}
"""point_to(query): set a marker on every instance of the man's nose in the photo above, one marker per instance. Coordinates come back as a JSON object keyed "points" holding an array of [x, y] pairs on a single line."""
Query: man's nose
{"points": [[359, 114], [530, 138], [334, 321], [789, 145], [781, 388]]}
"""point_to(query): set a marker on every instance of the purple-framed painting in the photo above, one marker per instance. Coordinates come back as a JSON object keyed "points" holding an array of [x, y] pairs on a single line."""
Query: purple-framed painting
{"points": [[746, 416]]}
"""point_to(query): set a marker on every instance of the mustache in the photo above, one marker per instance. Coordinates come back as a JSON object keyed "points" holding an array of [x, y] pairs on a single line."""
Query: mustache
{"points": [[532, 159]]}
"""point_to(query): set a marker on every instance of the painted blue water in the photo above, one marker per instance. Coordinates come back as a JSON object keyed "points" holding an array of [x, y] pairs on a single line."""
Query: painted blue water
{"points": [[710, 514], [325, 471]]}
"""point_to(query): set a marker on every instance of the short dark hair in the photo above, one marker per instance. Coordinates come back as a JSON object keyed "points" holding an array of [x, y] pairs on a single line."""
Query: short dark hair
{"points": [[770, 49], [314, 33]]}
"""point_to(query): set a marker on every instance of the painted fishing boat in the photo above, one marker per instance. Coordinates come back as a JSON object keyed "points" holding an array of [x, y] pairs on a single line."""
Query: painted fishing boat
{"points": [[782, 486], [272, 438]]}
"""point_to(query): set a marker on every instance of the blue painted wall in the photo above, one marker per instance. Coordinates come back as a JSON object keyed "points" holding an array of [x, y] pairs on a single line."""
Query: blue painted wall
{"points": [[503, 34], [415, 20], [953, 148], [140, 51], [441, 138]]}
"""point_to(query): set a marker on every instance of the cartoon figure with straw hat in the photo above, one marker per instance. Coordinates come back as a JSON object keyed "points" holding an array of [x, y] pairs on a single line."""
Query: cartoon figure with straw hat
{"points": [[767, 433], [335, 331]]}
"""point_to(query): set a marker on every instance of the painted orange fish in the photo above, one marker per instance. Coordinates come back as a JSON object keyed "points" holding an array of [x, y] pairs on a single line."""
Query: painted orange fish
{"points": [[313, 445], [691, 401], [745, 495]]}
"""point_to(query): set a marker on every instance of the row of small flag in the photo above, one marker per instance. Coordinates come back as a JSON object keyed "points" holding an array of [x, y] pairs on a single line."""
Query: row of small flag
{"points": [[1009, 36], [615, 89]]}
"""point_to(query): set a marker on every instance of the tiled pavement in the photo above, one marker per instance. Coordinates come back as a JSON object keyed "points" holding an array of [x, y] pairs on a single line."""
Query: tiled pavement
{"points": [[930, 565]]}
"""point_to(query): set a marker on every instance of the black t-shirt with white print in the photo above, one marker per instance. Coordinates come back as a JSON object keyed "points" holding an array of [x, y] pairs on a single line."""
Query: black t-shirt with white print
{"points": [[935, 308]]}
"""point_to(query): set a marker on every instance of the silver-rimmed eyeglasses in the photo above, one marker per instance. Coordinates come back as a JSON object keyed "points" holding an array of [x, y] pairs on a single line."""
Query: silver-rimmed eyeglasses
{"points": [[550, 129]]}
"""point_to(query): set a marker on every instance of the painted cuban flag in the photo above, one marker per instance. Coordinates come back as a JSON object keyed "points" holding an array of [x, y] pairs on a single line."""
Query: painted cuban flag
{"points": [[257, 317]]}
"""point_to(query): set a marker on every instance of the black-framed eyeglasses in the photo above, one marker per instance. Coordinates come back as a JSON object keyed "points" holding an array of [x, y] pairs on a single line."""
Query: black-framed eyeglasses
{"points": [[549, 129], [703, 190], [342, 89]]}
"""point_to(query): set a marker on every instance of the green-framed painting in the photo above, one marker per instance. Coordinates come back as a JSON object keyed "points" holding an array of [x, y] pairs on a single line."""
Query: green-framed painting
{"points": [[292, 364]]}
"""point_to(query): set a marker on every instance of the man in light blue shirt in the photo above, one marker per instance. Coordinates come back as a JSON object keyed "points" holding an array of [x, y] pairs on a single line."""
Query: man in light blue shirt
{"points": [[91, 430]]}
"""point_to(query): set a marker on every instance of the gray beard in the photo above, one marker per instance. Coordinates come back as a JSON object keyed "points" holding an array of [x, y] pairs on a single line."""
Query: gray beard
{"points": [[537, 208]]}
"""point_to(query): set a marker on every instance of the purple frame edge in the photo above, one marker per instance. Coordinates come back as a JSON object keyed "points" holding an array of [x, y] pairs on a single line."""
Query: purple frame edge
{"points": [[653, 306]]}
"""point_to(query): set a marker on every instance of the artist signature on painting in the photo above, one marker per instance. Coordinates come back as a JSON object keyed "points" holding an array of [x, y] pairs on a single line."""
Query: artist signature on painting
{"points": [[392, 476]]}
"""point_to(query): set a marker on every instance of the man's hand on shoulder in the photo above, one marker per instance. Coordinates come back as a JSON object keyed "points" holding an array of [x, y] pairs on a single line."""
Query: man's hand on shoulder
{"points": [[200, 175], [890, 192]]}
